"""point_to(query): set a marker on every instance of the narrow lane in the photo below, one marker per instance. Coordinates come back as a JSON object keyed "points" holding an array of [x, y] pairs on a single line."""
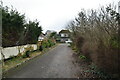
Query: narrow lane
{"points": [[57, 63]]}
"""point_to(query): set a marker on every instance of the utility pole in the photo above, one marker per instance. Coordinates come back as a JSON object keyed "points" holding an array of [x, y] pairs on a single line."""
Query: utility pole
{"points": [[118, 18], [119, 7], [118, 36], [1, 4], [1, 61]]}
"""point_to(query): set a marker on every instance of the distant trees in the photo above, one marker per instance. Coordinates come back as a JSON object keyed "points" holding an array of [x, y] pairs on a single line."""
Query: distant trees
{"points": [[53, 35], [15, 29], [95, 34]]}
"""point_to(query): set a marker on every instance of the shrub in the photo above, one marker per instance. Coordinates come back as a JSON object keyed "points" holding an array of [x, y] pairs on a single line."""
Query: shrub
{"points": [[79, 43], [26, 54], [27, 51], [45, 44], [86, 50], [82, 57], [29, 48], [40, 48], [51, 43], [96, 35]]}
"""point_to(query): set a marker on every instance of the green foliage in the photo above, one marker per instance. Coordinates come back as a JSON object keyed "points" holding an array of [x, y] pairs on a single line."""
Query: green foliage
{"points": [[40, 48], [51, 43], [28, 50], [82, 57], [16, 30], [46, 44], [53, 35], [12, 24], [12, 57], [26, 54], [94, 69], [115, 42], [33, 31]]}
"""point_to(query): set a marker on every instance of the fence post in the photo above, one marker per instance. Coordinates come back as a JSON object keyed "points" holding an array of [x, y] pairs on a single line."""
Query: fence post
{"points": [[2, 57]]}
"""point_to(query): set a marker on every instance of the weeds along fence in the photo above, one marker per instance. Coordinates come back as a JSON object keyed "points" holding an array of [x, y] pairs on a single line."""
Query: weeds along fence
{"points": [[14, 51], [24, 50]]}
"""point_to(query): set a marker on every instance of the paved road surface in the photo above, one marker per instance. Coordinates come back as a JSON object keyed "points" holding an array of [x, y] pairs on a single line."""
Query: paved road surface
{"points": [[57, 63]]}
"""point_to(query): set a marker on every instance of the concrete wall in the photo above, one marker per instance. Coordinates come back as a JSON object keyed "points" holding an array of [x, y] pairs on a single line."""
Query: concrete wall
{"points": [[14, 51]]}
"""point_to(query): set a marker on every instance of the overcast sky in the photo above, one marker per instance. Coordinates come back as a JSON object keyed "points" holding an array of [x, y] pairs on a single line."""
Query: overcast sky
{"points": [[54, 14]]}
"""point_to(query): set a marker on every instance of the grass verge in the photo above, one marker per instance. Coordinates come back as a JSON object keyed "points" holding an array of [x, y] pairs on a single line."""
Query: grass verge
{"points": [[16, 61]]}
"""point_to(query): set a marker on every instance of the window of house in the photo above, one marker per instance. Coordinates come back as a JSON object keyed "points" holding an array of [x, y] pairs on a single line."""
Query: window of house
{"points": [[66, 35], [62, 35]]}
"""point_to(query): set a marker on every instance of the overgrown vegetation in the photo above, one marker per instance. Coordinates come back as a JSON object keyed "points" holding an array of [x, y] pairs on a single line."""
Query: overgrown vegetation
{"points": [[46, 44], [16, 30], [96, 35]]}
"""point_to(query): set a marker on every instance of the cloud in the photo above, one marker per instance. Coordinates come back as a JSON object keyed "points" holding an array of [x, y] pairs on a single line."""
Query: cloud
{"points": [[54, 14]]}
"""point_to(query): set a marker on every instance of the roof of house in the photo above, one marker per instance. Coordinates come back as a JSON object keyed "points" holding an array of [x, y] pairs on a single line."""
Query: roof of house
{"points": [[64, 31], [49, 31], [42, 34]]}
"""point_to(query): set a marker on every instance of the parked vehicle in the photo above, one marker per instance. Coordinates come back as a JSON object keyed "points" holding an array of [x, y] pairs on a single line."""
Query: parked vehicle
{"points": [[68, 41]]}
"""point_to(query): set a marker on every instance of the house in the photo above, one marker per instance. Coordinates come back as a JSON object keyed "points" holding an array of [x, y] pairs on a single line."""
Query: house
{"points": [[48, 32], [41, 37], [64, 35]]}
